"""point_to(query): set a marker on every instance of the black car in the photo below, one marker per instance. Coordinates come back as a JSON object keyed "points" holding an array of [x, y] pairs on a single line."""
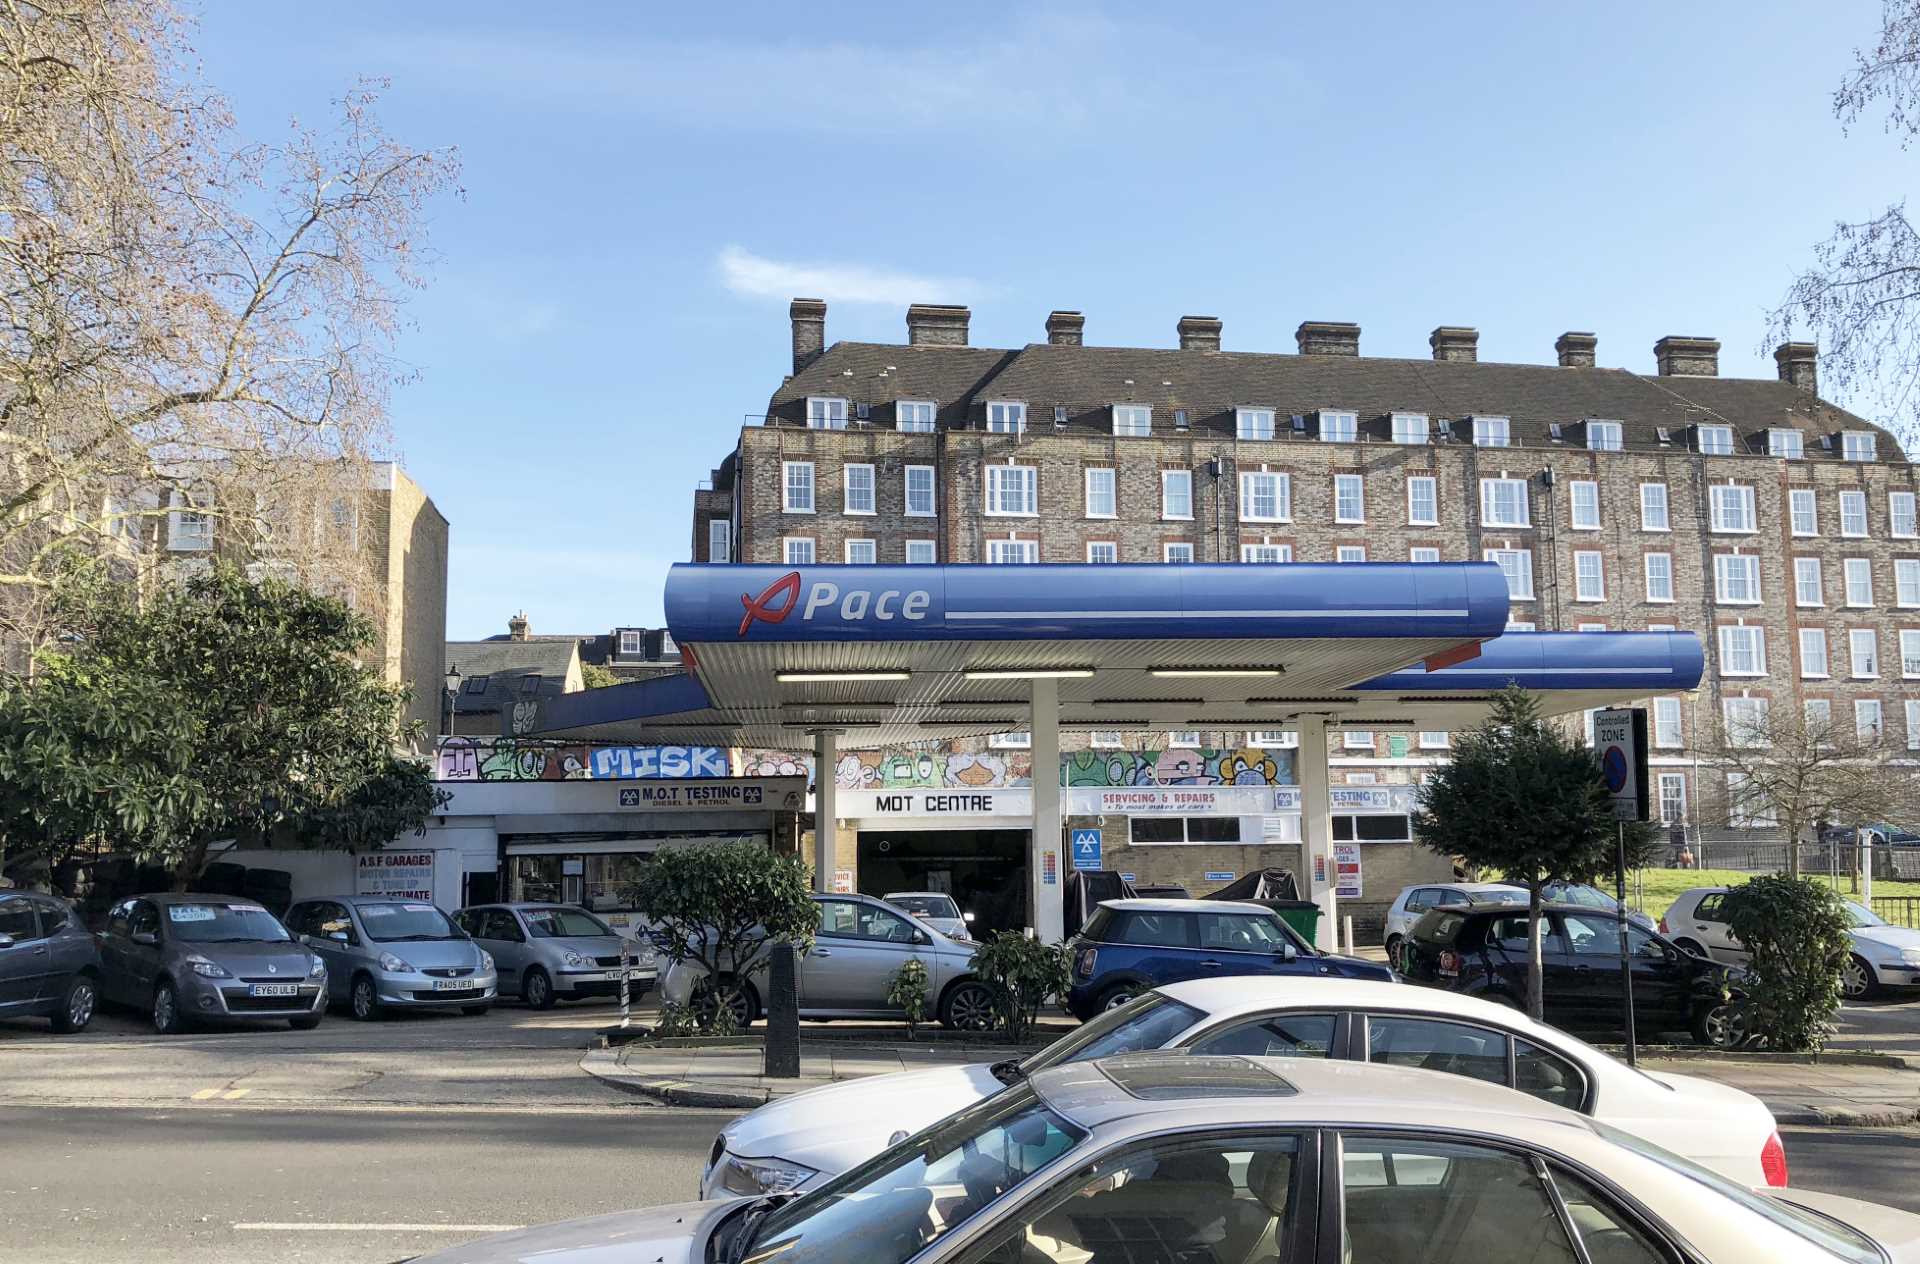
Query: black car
{"points": [[1482, 951]]}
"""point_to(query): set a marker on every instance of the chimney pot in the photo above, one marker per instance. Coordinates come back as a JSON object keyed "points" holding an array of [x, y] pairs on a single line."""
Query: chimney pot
{"points": [[518, 629], [1677, 355], [1799, 364], [1199, 333], [1328, 337], [937, 325], [809, 317], [1457, 343], [1575, 349], [1064, 329]]}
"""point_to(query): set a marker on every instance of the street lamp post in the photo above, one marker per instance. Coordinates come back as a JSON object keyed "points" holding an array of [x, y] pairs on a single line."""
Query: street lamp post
{"points": [[451, 692]]}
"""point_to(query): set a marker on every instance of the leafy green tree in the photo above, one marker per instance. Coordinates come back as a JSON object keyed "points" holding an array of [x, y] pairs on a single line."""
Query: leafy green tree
{"points": [[404, 791], [84, 758], [723, 906], [1796, 931], [1522, 796], [288, 725], [594, 676]]}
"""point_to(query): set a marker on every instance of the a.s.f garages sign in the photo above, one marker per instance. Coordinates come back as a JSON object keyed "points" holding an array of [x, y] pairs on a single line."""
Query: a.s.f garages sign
{"points": [[406, 874]]}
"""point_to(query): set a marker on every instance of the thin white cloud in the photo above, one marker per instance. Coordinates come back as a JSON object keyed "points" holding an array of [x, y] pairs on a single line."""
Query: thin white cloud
{"points": [[1043, 76], [753, 275]]}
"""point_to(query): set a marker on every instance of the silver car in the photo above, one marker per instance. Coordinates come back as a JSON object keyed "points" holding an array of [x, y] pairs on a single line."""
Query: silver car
{"points": [[49, 964], [391, 953], [935, 909], [183, 958], [858, 945], [552, 952]]}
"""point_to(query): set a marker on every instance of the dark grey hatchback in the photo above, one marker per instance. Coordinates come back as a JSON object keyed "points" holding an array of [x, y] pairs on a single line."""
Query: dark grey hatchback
{"points": [[49, 965], [183, 958]]}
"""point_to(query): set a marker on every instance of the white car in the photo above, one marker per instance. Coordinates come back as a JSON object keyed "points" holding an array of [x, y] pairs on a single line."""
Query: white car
{"points": [[935, 909], [1413, 902], [1883, 955], [803, 1141], [1227, 1160]]}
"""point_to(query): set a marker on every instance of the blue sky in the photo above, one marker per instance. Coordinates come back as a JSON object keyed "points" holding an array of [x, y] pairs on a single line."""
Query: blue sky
{"points": [[647, 185]]}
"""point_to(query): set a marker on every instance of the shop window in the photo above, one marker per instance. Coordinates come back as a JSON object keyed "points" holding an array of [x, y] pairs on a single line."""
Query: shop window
{"points": [[1184, 829], [1372, 829]]}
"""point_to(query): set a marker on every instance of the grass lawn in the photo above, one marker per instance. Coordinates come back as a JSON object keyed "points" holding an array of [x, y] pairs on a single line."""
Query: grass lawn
{"points": [[1652, 890]]}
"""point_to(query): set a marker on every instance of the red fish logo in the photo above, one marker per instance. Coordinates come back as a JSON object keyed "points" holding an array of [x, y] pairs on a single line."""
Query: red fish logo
{"points": [[762, 607]]}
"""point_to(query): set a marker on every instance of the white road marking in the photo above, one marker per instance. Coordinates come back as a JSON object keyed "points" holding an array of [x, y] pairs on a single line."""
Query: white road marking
{"points": [[288, 1226]]}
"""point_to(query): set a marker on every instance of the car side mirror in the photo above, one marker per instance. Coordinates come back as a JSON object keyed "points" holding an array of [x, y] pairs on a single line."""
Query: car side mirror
{"points": [[6, 941], [338, 936], [921, 937], [145, 938], [1289, 953]]}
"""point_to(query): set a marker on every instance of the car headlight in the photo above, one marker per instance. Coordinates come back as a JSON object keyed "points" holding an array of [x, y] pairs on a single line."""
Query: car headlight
{"points": [[1910, 955], [319, 968], [763, 1176], [575, 959], [393, 964], [210, 969], [486, 960]]}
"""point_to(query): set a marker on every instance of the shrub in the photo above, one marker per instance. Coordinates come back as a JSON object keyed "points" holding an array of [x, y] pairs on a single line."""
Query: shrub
{"points": [[908, 990], [1023, 974], [1796, 931]]}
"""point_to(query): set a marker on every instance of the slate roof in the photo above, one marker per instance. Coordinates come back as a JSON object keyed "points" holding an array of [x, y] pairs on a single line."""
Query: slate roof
{"points": [[505, 664], [1211, 384]]}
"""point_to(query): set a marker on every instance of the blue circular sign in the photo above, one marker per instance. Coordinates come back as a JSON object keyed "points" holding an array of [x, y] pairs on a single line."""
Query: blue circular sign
{"points": [[1613, 765]]}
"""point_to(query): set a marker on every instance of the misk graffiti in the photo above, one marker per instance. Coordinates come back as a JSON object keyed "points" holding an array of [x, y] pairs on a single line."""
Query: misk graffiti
{"points": [[511, 759]]}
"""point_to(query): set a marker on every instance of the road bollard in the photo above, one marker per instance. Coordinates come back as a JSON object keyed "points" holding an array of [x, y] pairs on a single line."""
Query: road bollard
{"points": [[626, 982], [783, 1015]]}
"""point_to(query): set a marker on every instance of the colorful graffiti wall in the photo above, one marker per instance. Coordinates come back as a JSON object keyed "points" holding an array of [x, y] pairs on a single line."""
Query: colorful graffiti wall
{"points": [[991, 769], [1248, 766], [512, 759]]}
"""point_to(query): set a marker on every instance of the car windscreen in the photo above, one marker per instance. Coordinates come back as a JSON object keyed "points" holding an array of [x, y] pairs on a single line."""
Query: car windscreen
{"points": [[911, 1195], [926, 905], [406, 919], [218, 923], [1828, 1234], [1149, 1021], [1859, 915], [564, 923]]}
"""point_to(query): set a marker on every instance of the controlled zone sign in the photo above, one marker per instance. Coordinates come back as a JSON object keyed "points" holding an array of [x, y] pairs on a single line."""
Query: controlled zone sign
{"points": [[1086, 849], [1620, 739]]}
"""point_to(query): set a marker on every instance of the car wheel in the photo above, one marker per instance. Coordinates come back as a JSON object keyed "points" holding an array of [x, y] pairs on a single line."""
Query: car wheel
{"points": [[537, 989], [306, 1022], [1857, 980], [740, 999], [363, 1002], [1693, 946], [969, 1005], [1393, 951], [76, 1008], [474, 1011], [167, 1018], [1117, 995], [1721, 1026]]}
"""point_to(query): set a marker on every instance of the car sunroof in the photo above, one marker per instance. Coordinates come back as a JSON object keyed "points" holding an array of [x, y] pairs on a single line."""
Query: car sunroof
{"points": [[1173, 1077]]}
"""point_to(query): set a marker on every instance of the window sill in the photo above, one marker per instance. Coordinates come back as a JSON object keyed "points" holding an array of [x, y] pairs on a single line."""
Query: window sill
{"points": [[1505, 526], [1269, 522], [921, 513], [1008, 513], [1590, 601], [797, 511], [858, 513], [1349, 522], [1094, 517], [1167, 517], [1659, 601], [1656, 530], [1423, 522], [1577, 527]]}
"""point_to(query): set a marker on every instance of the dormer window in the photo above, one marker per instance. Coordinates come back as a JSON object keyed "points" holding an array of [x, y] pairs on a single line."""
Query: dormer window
{"points": [[1605, 436], [1714, 440], [1338, 427], [914, 416], [826, 414], [477, 685], [1858, 445], [1790, 444], [1253, 423], [529, 685], [1133, 421], [630, 641], [1492, 432], [1006, 417], [187, 529], [1410, 428]]}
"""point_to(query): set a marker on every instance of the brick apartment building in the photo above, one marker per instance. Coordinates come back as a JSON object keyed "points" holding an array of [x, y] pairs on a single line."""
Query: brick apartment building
{"points": [[1780, 528]]}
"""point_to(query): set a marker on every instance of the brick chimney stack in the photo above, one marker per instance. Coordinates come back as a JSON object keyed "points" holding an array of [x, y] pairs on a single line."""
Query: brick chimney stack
{"points": [[1575, 349], [1799, 365], [937, 325], [1064, 329], [1456, 343], [1328, 337], [1679, 356], [518, 629], [809, 317], [1199, 333]]}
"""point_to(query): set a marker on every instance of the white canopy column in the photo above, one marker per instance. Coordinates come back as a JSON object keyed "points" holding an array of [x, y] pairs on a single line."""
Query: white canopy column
{"points": [[1316, 824], [824, 823], [1043, 858]]}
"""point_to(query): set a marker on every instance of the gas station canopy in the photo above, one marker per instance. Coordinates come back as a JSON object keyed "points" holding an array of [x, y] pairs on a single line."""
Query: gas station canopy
{"points": [[895, 655]]}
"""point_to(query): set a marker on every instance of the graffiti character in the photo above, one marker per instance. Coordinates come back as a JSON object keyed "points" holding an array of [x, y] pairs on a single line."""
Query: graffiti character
{"points": [[1252, 767], [1183, 767], [976, 770], [857, 770], [458, 761]]}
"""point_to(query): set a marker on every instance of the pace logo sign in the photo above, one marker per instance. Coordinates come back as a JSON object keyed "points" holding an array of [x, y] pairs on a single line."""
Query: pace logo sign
{"points": [[827, 601]]}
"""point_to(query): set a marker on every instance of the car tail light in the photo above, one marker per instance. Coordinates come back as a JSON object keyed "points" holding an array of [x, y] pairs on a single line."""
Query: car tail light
{"points": [[1088, 956], [1449, 963], [1773, 1161], [1663, 927]]}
